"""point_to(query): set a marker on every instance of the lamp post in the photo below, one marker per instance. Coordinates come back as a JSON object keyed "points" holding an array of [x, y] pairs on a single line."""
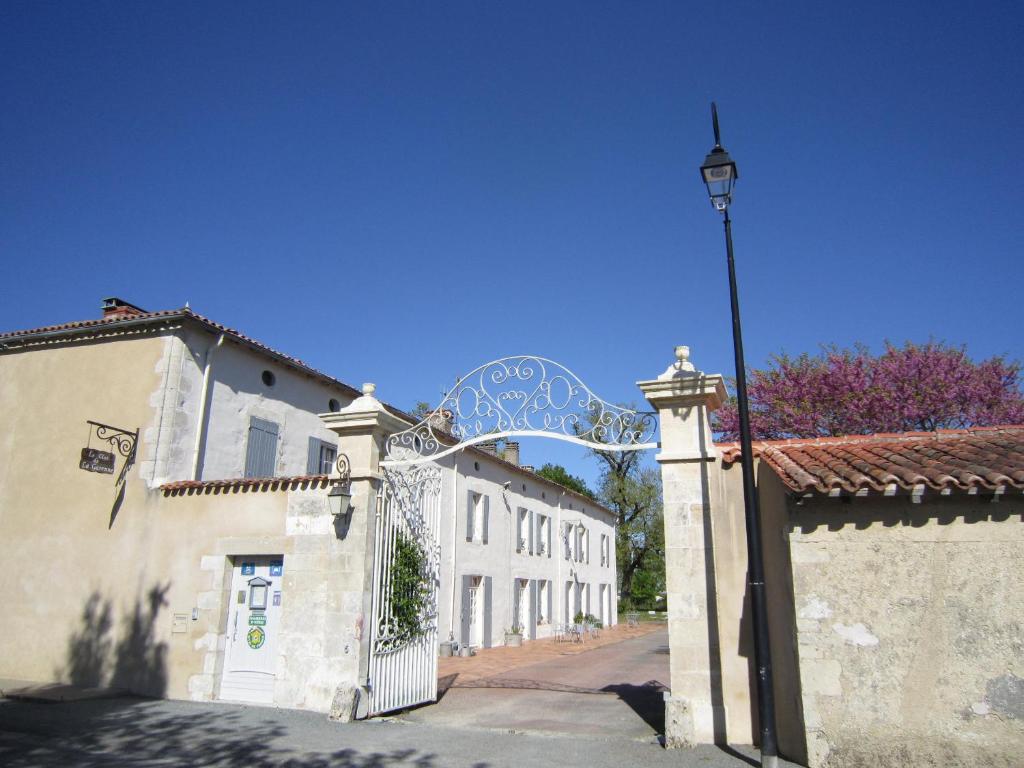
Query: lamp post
{"points": [[720, 174]]}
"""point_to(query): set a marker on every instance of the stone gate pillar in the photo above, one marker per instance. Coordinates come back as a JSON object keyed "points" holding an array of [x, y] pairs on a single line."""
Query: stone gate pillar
{"points": [[362, 428], [684, 397]]}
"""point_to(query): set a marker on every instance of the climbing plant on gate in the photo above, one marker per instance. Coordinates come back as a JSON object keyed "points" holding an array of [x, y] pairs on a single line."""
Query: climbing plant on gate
{"points": [[410, 589]]}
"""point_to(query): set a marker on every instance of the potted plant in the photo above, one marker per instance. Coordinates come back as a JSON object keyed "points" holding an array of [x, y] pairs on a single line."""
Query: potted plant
{"points": [[514, 636]]}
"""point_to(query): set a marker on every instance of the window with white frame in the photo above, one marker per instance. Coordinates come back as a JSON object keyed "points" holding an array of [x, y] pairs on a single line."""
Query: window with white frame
{"points": [[478, 516], [522, 521], [567, 537], [604, 549], [320, 457], [542, 527], [543, 602]]}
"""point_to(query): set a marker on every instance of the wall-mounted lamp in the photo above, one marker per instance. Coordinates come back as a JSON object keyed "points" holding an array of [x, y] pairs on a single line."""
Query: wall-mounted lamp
{"points": [[339, 498]]}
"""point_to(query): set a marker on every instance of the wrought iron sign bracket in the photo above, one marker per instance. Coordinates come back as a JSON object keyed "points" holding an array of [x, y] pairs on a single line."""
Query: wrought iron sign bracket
{"points": [[124, 440]]}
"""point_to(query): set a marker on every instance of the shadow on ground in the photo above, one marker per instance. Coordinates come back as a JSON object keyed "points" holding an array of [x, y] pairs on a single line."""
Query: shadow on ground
{"points": [[646, 700], [136, 732]]}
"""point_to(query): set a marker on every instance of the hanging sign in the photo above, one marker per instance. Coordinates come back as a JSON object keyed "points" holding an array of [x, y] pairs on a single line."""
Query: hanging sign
{"points": [[94, 460]]}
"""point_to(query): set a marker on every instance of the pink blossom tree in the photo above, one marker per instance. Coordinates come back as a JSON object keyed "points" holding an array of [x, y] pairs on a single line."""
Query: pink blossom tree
{"points": [[850, 392]]}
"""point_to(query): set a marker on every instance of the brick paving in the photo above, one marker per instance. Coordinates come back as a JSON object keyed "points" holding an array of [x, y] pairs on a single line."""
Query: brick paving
{"points": [[456, 671]]}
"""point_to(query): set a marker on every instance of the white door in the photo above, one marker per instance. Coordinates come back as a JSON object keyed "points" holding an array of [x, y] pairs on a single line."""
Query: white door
{"points": [[254, 622], [476, 612]]}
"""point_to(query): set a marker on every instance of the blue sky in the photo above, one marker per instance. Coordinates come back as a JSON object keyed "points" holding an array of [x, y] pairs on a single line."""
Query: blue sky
{"points": [[398, 192]]}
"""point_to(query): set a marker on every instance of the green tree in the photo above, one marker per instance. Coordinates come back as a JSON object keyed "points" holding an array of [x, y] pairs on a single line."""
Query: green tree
{"points": [[421, 410], [633, 492], [556, 473]]}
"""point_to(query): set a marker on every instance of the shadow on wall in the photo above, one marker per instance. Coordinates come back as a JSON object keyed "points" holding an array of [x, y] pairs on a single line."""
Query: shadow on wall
{"points": [[130, 658]]}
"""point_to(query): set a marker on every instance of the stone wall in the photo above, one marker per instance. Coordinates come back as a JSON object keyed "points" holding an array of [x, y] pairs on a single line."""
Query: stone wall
{"points": [[910, 630]]}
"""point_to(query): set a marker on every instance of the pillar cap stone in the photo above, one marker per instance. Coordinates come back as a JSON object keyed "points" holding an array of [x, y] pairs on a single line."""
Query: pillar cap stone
{"points": [[365, 413], [683, 385]]}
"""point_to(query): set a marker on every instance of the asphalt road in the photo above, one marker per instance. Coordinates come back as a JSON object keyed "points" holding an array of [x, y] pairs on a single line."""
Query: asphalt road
{"points": [[138, 732], [599, 709], [612, 692]]}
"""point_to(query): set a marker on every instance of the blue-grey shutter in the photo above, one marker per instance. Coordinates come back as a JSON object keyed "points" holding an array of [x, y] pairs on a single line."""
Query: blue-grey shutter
{"points": [[487, 518], [529, 532], [531, 620], [261, 451], [487, 640], [313, 457], [470, 514], [548, 613], [467, 583]]}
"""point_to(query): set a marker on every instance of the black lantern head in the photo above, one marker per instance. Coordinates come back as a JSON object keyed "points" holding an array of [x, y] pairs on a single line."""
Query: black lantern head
{"points": [[719, 171]]}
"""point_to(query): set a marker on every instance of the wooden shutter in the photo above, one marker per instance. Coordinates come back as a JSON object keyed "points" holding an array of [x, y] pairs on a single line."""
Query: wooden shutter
{"points": [[313, 457], [487, 641], [470, 512], [586, 538], [261, 450], [467, 583], [486, 500], [530, 535], [551, 588]]}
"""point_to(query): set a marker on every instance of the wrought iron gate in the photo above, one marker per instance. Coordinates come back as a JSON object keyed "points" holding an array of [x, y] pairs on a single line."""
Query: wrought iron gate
{"points": [[406, 576], [516, 396]]}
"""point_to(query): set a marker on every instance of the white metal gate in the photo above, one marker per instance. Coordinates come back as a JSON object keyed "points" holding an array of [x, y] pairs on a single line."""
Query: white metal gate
{"points": [[403, 633], [518, 396]]}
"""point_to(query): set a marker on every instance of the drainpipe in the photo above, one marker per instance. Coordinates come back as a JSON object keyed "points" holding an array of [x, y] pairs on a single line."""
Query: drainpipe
{"points": [[201, 422]]}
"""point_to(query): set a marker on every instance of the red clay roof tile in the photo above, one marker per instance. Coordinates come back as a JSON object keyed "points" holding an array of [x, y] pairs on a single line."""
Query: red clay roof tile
{"points": [[978, 457]]}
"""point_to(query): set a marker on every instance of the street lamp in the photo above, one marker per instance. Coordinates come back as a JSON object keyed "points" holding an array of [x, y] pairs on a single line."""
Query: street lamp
{"points": [[720, 174]]}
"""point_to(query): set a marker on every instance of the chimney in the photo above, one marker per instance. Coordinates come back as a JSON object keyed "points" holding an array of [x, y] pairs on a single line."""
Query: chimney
{"points": [[511, 452], [443, 421], [490, 446], [117, 309]]}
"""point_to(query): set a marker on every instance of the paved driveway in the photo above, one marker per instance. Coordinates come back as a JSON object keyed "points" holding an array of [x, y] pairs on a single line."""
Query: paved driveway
{"points": [[610, 692]]}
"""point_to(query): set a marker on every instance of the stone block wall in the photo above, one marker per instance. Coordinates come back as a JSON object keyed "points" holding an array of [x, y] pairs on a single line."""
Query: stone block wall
{"points": [[909, 623]]}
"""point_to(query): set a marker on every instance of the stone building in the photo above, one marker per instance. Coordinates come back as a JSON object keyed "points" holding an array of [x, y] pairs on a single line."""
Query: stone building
{"points": [[135, 581]]}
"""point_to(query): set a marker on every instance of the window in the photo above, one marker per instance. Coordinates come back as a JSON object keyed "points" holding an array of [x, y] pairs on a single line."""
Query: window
{"points": [[477, 517], [567, 538], [333, 405], [320, 460], [522, 522], [542, 535], [268, 378], [261, 448]]}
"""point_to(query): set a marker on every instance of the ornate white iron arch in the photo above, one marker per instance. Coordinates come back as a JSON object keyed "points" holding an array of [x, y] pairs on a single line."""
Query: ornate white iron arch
{"points": [[521, 396]]}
